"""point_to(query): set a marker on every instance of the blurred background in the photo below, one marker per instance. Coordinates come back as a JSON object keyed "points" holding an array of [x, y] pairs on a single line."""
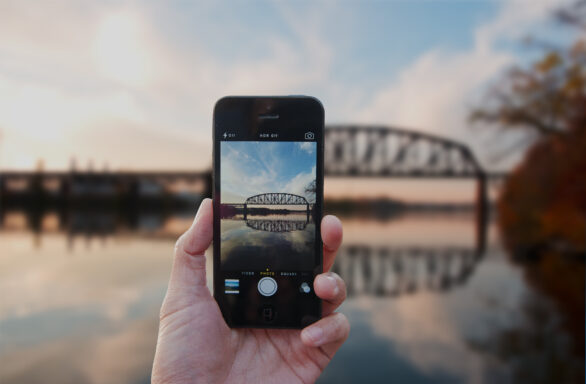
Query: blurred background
{"points": [[455, 157]]}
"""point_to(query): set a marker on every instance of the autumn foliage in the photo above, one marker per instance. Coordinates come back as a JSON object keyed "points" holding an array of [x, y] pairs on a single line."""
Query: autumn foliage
{"points": [[543, 203], [542, 206]]}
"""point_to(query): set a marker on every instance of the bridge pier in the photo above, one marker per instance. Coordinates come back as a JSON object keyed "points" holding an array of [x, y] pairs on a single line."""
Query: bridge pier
{"points": [[481, 212], [245, 211], [65, 185], [308, 212]]}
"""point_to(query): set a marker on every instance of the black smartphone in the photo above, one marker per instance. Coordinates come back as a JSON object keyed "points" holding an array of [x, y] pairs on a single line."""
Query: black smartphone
{"points": [[268, 198]]}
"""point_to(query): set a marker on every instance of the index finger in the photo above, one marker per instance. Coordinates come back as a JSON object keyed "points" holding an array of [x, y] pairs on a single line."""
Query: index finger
{"points": [[331, 235]]}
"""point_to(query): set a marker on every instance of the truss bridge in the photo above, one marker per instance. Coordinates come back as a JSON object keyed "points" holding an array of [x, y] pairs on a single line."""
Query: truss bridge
{"points": [[387, 152], [272, 198], [372, 151], [351, 151], [277, 199]]}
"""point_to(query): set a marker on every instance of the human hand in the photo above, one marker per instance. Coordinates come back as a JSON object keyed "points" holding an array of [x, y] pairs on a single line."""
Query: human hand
{"points": [[196, 346]]}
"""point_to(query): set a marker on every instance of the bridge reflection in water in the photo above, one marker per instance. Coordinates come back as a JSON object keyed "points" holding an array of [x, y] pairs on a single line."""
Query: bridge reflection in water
{"points": [[394, 271], [381, 270], [277, 225]]}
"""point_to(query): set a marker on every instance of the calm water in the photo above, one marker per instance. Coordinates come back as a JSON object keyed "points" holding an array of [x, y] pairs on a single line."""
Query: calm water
{"points": [[250, 244], [426, 306]]}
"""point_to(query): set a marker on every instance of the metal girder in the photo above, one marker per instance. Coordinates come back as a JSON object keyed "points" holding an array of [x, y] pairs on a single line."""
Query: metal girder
{"points": [[350, 151], [373, 151], [276, 199]]}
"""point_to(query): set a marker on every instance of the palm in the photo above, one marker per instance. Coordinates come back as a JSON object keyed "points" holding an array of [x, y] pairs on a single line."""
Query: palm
{"points": [[283, 356], [196, 345], [197, 333]]}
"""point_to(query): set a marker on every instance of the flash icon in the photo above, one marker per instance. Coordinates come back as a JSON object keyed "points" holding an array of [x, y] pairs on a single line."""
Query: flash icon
{"points": [[225, 135]]}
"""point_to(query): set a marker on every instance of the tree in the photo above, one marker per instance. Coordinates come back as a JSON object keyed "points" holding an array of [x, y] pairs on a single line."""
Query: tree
{"points": [[310, 191], [546, 98], [542, 206], [544, 199]]}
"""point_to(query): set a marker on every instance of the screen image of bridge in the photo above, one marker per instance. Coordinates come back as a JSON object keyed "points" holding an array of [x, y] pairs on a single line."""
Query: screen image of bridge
{"points": [[269, 205], [270, 221]]}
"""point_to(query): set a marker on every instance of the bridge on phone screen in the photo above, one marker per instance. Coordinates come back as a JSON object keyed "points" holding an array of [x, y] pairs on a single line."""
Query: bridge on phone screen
{"points": [[277, 198], [272, 198]]}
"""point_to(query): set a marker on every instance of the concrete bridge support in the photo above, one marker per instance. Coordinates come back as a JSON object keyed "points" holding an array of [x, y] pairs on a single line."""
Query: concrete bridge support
{"points": [[481, 212]]}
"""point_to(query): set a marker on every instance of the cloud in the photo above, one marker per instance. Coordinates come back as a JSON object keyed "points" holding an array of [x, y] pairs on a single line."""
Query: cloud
{"points": [[72, 66], [437, 92], [75, 65], [249, 168], [514, 20], [307, 146], [298, 184]]}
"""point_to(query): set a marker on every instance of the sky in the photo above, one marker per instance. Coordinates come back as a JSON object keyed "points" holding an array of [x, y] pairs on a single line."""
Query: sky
{"points": [[250, 168], [132, 84]]}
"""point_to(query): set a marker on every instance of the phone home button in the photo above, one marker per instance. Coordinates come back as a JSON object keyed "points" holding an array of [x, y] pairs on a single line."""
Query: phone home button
{"points": [[267, 286], [267, 313]]}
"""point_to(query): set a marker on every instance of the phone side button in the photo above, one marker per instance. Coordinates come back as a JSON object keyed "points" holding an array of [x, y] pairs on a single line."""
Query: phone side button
{"points": [[267, 286]]}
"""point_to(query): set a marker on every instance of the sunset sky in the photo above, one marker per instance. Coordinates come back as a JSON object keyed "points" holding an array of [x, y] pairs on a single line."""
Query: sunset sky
{"points": [[131, 85]]}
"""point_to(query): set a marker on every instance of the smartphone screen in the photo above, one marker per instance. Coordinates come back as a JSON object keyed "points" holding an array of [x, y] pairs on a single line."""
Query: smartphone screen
{"points": [[268, 196]]}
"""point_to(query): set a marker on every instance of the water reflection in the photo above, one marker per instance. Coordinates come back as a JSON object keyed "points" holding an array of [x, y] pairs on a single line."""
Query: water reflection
{"points": [[279, 242], [425, 305], [393, 271], [276, 225]]}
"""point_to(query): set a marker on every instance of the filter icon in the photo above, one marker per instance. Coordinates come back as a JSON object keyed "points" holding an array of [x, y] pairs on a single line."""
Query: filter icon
{"points": [[231, 286]]}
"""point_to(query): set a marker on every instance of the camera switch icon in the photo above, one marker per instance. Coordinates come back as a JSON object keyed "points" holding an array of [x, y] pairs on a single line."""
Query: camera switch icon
{"points": [[309, 136], [304, 288]]}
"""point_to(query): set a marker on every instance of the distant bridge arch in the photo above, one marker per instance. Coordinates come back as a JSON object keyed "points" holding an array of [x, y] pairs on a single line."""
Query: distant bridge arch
{"points": [[380, 151]]}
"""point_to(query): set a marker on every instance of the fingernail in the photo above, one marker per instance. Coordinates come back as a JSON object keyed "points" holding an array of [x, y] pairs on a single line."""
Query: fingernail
{"points": [[332, 282], [314, 335]]}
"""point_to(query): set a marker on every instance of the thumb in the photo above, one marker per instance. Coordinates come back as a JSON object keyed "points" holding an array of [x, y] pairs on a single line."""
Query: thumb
{"points": [[189, 263]]}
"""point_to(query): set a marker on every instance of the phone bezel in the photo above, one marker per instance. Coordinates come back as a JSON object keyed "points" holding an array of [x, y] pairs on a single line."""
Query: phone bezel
{"points": [[293, 111]]}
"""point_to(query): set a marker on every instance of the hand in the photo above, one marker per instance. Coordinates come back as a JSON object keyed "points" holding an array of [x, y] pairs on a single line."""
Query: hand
{"points": [[196, 346]]}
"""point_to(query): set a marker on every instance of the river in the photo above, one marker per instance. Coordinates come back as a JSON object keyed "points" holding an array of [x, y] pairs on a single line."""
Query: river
{"points": [[80, 304]]}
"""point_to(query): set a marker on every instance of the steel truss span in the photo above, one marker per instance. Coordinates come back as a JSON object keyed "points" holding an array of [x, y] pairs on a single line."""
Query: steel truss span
{"points": [[373, 151], [276, 225], [276, 199]]}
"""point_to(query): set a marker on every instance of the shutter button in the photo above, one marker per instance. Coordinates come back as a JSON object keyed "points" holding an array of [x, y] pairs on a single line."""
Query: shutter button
{"points": [[267, 286]]}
